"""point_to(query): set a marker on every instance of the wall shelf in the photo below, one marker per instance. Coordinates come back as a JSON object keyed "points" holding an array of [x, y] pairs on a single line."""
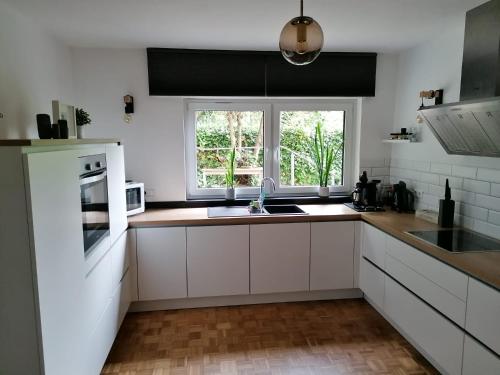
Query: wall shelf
{"points": [[397, 141]]}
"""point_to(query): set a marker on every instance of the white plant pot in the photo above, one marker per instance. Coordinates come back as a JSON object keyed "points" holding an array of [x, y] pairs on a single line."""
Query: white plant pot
{"points": [[230, 194], [80, 132], [324, 191]]}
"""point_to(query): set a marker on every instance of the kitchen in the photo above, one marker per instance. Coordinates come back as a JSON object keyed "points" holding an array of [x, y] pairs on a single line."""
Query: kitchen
{"points": [[201, 294]]}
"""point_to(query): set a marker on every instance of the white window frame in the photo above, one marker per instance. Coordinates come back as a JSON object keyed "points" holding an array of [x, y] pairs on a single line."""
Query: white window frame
{"points": [[271, 109], [193, 191], [338, 105]]}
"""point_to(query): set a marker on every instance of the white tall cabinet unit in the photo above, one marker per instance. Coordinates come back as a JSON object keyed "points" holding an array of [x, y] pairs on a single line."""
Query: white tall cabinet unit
{"points": [[53, 302]]}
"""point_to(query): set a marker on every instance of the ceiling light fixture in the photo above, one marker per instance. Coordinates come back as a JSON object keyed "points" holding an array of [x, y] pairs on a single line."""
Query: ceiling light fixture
{"points": [[301, 39]]}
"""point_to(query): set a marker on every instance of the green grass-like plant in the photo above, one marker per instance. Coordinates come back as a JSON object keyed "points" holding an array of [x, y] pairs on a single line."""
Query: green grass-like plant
{"points": [[323, 155], [230, 167]]}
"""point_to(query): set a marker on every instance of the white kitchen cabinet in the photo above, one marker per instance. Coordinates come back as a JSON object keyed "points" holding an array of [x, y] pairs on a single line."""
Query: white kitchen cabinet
{"points": [[58, 255], [373, 245], [483, 314], [116, 191], [279, 257], [332, 255], [478, 359], [429, 289], [446, 277], [372, 282], [440, 339], [120, 259], [161, 263], [218, 260]]}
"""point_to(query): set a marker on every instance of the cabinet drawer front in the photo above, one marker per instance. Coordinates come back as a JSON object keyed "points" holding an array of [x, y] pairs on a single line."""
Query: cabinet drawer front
{"points": [[432, 269], [439, 298], [373, 245], [372, 282], [332, 255], [478, 359], [434, 334], [218, 261], [483, 314]]}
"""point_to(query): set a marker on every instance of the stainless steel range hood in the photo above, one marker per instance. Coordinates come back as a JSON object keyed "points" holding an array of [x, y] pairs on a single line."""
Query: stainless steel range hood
{"points": [[472, 126], [467, 128]]}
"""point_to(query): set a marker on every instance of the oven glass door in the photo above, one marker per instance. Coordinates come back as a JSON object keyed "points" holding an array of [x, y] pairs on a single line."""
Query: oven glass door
{"points": [[95, 208]]}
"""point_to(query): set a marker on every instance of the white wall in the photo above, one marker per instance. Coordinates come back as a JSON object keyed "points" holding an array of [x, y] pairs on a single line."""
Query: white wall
{"points": [[34, 69], [433, 65], [425, 166], [154, 142]]}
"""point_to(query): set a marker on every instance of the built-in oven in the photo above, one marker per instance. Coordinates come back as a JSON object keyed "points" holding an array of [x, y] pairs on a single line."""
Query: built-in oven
{"points": [[94, 200]]}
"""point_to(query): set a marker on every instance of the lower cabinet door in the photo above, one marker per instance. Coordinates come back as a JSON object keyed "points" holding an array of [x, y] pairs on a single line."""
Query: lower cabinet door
{"points": [[372, 282], [161, 263], [218, 260], [279, 257], [478, 359], [483, 314], [440, 339], [332, 255]]}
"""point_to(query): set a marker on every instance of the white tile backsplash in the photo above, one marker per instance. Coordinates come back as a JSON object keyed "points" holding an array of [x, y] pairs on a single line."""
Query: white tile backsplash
{"points": [[476, 191], [429, 178], [495, 190], [494, 217], [492, 175], [487, 201], [481, 187], [461, 171], [440, 168]]}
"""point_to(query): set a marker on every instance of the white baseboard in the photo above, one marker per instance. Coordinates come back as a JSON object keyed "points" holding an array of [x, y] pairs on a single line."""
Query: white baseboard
{"points": [[189, 303]]}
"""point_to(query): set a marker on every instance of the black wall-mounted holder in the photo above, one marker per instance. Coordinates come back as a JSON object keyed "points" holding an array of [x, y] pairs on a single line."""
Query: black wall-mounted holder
{"points": [[437, 95], [129, 108]]}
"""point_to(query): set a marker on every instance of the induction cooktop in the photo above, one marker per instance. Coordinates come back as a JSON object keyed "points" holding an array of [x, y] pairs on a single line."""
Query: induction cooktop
{"points": [[458, 240]]}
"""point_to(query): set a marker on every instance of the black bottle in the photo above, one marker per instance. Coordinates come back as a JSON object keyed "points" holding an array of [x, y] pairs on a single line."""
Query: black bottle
{"points": [[446, 209]]}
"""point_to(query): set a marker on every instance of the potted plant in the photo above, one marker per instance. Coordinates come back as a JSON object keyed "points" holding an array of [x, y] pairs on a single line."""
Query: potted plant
{"points": [[230, 167], [323, 155], [82, 119]]}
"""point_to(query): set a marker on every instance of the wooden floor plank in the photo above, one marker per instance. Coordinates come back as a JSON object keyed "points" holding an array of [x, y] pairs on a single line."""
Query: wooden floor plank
{"points": [[324, 337]]}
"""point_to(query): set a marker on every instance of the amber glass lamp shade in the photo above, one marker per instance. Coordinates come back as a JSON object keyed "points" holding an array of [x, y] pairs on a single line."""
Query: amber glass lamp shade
{"points": [[301, 40]]}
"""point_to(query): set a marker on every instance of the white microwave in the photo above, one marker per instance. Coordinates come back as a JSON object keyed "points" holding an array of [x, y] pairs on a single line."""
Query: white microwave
{"points": [[134, 192]]}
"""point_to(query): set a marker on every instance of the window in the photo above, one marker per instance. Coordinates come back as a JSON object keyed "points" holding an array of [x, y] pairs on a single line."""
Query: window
{"points": [[271, 138]]}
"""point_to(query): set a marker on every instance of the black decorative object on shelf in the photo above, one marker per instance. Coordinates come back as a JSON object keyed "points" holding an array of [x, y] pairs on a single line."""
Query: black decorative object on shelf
{"points": [[63, 129], [44, 126], [56, 131]]}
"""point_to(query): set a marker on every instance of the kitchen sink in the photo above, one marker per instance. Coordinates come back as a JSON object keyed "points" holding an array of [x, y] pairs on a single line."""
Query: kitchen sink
{"points": [[284, 209]]}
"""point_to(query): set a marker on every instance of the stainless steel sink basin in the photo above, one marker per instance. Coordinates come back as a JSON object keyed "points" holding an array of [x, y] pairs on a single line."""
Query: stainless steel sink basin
{"points": [[284, 209], [238, 211]]}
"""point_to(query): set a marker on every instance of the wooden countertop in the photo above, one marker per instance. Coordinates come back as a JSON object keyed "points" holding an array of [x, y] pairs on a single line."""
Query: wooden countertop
{"points": [[484, 266], [198, 216]]}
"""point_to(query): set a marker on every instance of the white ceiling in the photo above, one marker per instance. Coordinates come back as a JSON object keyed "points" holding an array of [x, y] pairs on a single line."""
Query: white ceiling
{"points": [[349, 25]]}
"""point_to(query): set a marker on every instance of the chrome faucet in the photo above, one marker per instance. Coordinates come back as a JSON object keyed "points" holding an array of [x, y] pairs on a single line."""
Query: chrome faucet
{"points": [[262, 193]]}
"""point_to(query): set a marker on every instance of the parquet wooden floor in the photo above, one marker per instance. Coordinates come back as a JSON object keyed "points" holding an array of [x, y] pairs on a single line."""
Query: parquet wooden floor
{"points": [[325, 337]]}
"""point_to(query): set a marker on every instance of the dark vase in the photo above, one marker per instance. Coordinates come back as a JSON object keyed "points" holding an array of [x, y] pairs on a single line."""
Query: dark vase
{"points": [[56, 131], [63, 129], [44, 126]]}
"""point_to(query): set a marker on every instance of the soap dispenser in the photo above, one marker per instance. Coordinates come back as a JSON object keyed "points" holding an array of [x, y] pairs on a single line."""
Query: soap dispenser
{"points": [[446, 209]]}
